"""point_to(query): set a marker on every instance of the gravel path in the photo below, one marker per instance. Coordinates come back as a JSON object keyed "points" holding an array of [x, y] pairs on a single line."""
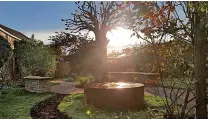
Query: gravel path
{"points": [[48, 109]]}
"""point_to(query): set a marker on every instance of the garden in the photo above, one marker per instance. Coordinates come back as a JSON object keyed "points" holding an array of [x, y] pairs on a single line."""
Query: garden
{"points": [[73, 77]]}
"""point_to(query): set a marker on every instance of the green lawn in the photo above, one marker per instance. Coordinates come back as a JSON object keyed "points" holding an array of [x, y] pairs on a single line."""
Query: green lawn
{"points": [[16, 103], [73, 106]]}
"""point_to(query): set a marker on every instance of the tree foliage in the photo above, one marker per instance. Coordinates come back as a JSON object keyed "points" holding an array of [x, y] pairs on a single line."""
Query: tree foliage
{"points": [[186, 21], [143, 58], [114, 54], [5, 58], [5, 51], [76, 49], [35, 59], [68, 44]]}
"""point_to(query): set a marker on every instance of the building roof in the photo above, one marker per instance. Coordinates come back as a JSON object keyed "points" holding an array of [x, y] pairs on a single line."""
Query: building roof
{"points": [[16, 34]]}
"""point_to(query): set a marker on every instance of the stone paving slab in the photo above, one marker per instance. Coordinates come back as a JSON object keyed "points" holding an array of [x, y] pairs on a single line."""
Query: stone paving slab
{"points": [[63, 88], [57, 81]]}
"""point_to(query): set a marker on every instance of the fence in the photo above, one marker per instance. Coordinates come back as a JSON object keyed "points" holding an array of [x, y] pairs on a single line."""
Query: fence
{"points": [[62, 69]]}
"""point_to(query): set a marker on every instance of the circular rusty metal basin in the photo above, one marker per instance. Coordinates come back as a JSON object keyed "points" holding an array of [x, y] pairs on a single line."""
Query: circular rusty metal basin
{"points": [[115, 96]]}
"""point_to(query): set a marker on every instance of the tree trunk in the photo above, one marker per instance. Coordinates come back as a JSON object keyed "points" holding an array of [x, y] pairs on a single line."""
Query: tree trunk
{"points": [[101, 56], [13, 67], [200, 69], [18, 63]]}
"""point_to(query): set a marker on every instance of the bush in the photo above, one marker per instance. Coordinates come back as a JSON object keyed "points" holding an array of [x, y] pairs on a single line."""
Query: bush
{"points": [[84, 80], [69, 79], [5, 51], [37, 60]]}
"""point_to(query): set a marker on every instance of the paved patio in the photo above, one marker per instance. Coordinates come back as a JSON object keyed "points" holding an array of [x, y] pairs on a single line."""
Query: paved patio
{"points": [[65, 88]]}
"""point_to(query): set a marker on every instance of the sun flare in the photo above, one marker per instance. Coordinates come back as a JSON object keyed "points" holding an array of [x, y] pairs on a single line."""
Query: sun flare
{"points": [[120, 37]]}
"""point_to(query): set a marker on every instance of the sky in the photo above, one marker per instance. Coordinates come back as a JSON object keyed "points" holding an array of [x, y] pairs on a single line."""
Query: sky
{"points": [[44, 18], [40, 18]]}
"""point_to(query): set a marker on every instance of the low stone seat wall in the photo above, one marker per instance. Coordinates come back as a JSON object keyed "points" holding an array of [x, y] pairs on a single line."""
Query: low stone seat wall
{"points": [[37, 84], [138, 77]]}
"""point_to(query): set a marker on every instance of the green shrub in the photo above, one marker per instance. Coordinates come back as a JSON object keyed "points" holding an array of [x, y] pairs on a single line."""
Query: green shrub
{"points": [[37, 60], [84, 80], [69, 79], [5, 51]]}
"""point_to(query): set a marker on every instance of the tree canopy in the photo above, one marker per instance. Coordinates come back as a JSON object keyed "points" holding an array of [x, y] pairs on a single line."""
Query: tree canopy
{"points": [[94, 15]]}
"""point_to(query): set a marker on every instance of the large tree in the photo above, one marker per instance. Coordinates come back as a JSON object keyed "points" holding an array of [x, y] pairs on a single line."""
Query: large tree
{"points": [[98, 17]]}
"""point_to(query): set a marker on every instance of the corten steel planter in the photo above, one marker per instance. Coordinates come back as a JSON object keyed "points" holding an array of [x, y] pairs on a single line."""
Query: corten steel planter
{"points": [[115, 96]]}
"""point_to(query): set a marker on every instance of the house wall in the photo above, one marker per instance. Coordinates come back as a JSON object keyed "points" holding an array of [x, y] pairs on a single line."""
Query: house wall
{"points": [[11, 41]]}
